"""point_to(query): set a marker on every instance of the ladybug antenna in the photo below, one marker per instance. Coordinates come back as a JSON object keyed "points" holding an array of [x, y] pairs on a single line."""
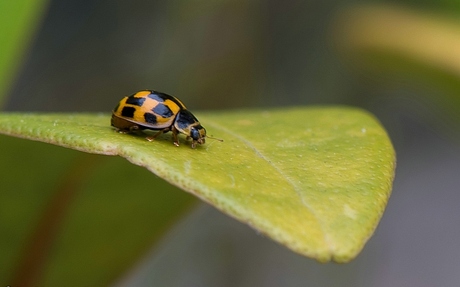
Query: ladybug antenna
{"points": [[214, 138]]}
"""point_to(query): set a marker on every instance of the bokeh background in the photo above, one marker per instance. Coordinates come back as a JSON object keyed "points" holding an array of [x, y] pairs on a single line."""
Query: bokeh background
{"points": [[83, 56]]}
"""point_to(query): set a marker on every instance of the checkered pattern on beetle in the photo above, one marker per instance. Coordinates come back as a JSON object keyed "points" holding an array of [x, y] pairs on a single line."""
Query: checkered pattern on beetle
{"points": [[153, 110]]}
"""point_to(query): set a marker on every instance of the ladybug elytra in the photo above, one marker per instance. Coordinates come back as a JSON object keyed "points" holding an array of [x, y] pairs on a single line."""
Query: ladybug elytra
{"points": [[154, 110]]}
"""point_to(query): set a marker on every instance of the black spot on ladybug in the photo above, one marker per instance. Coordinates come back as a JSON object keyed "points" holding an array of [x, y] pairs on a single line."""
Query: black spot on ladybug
{"points": [[128, 112], [184, 118], [135, 101], [163, 111], [150, 118], [156, 96]]}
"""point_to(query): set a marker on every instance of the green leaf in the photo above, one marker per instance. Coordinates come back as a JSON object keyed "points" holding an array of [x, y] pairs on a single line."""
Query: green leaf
{"points": [[314, 179]]}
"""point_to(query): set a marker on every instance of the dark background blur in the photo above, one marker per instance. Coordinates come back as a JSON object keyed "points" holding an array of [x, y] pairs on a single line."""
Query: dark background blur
{"points": [[216, 55], [251, 54]]}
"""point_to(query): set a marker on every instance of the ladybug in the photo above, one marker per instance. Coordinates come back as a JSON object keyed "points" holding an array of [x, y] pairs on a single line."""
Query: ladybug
{"points": [[154, 110]]}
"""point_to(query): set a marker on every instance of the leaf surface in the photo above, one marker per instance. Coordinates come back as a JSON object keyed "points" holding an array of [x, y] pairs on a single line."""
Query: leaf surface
{"points": [[314, 179]]}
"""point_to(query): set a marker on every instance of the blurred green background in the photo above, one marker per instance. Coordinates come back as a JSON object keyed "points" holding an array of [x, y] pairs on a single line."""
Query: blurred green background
{"points": [[80, 56]]}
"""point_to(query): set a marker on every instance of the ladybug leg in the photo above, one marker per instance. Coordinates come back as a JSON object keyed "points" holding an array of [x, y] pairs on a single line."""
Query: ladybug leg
{"points": [[152, 138], [193, 141], [132, 129], [176, 140]]}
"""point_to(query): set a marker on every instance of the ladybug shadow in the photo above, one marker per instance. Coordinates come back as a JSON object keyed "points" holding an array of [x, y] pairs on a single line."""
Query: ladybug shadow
{"points": [[165, 138]]}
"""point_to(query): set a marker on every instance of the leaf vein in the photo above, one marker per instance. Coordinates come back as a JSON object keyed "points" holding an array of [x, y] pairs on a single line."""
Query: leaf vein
{"points": [[296, 188]]}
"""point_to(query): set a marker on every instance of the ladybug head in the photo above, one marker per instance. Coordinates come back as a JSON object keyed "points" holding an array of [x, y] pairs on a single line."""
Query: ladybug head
{"points": [[197, 133]]}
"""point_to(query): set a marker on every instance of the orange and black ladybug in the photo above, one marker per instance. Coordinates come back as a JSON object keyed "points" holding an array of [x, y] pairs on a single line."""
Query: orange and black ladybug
{"points": [[154, 110]]}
